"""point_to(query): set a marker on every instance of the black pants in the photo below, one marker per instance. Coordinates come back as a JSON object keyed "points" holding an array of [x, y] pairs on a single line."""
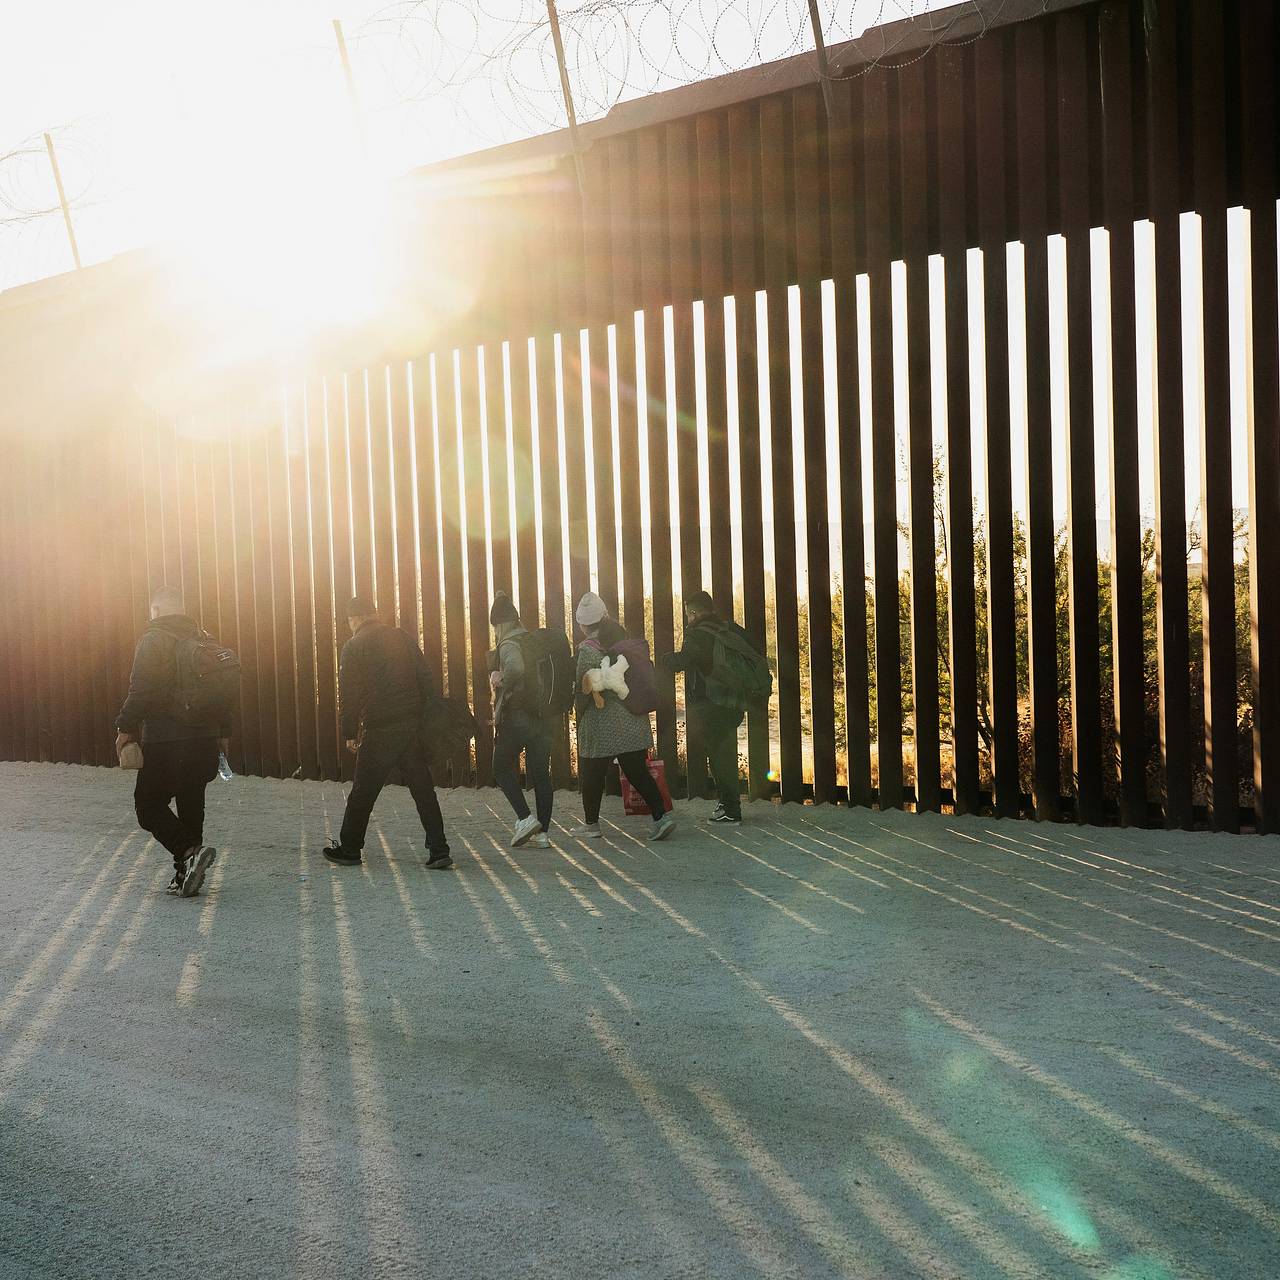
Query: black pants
{"points": [[522, 732], [592, 772], [718, 727], [381, 750], [179, 772]]}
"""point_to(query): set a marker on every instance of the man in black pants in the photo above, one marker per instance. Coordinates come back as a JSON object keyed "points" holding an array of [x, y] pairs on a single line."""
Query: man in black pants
{"points": [[178, 759], [384, 688], [717, 721]]}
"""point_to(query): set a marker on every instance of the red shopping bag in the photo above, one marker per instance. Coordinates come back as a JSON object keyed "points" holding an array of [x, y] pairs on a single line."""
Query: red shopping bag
{"points": [[632, 801]]}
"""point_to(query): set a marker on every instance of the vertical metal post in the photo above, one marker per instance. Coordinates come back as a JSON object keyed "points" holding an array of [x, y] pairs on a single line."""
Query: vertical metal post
{"points": [[574, 139], [824, 67], [62, 199]]}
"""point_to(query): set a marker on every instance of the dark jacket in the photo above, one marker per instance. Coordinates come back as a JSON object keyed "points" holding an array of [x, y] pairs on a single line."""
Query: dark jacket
{"points": [[151, 686], [508, 658], [697, 656], [383, 680]]}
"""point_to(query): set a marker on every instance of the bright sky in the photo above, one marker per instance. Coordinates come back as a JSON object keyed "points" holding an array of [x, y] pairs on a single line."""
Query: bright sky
{"points": [[178, 118]]}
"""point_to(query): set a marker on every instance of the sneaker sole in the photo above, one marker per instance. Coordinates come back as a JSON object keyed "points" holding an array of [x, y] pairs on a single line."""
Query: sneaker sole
{"points": [[518, 842], [665, 833], [194, 878]]}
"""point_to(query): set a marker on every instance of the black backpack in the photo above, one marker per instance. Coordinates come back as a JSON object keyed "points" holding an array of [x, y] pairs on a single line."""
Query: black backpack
{"points": [[740, 676], [551, 674], [206, 681], [448, 726]]}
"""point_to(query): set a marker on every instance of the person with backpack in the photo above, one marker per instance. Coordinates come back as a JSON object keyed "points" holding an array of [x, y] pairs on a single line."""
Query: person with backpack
{"points": [[610, 728], [385, 690], [724, 674], [182, 692], [531, 673]]}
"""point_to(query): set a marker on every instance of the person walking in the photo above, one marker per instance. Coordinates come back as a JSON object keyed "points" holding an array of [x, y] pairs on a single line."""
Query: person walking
{"points": [[609, 731], [521, 724], [724, 673], [384, 692], [180, 742]]}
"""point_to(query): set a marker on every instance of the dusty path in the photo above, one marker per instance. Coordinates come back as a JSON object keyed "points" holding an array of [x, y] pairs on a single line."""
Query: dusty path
{"points": [[826, 1043]]}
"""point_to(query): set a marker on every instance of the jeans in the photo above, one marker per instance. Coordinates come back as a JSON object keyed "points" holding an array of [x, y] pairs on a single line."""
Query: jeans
{"points": [[177, 771], [592, 771], [380, 752], [718, 727], [519, 732]]}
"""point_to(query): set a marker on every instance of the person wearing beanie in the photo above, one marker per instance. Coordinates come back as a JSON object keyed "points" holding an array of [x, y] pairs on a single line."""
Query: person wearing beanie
{"points": [[610, 731], [518, 729], [591, 611], [716, 722], [384, 690]]}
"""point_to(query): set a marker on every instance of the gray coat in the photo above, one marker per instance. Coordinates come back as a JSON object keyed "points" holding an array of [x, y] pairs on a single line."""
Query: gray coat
{"points": [[611, 730]]}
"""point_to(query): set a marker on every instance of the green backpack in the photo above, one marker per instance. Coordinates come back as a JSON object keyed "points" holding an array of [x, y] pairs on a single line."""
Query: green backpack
{"points": [[740, 675]]}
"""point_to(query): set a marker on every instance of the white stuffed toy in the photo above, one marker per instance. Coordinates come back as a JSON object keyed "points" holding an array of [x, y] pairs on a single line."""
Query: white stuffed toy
{"points": [[609, 675]]}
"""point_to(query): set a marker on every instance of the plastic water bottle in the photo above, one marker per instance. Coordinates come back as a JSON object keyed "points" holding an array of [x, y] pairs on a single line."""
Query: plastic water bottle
{"points": [[224, 769]]}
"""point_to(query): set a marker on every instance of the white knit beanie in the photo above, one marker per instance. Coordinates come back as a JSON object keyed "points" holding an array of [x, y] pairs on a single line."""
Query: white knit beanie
{"points": [[591, 610]]}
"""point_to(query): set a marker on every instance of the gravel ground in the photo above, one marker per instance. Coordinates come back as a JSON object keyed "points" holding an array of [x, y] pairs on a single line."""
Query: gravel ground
{"points": [[827, 1043]]}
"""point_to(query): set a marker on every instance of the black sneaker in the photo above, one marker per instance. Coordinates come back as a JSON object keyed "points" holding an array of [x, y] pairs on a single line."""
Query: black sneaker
{"points": [[724, 818], [174, 887], [343, 857], [198, 862], [439, 860]]}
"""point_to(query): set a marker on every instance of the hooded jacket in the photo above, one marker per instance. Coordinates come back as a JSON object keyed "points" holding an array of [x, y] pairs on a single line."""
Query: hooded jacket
{"points": [[383, 680], [147, 707]]}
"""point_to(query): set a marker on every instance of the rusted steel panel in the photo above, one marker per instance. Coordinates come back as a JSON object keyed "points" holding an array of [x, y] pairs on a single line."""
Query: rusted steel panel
{"points": [[277, 482], [383, 489], [454, 543], [1217, 562], [305, 622], [915, 127], [477, 568], [623, 194], [682, 225], [597, 236], [402, 488], [1036, 153], [499, 478], [1072, 101], [714, 285], [655, 255], [953, 68], [876, 178], [321, 408], [776, 195], [424, 447], [746, 235], [810, 185], [992, 121], [252, 724], [1165, 166], [362, 391], [1258, 33], [1116, 35]]}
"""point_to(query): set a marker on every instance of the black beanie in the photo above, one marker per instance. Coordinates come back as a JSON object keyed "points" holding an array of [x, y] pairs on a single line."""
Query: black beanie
{"points": [[503, 610]]}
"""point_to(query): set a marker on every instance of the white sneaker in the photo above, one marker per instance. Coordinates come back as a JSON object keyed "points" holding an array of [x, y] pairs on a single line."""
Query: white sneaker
{"points": [[587, 831], [540, 841], [524, 829]]}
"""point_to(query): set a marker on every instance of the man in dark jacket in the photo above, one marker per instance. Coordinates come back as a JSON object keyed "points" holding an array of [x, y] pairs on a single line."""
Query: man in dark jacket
{"points": [[384, 689], [517, 728], [179, 759], [718, 724]]}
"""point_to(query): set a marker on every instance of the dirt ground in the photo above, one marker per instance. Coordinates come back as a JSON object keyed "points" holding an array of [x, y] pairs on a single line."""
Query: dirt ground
{"points": [[826, 1043]]}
